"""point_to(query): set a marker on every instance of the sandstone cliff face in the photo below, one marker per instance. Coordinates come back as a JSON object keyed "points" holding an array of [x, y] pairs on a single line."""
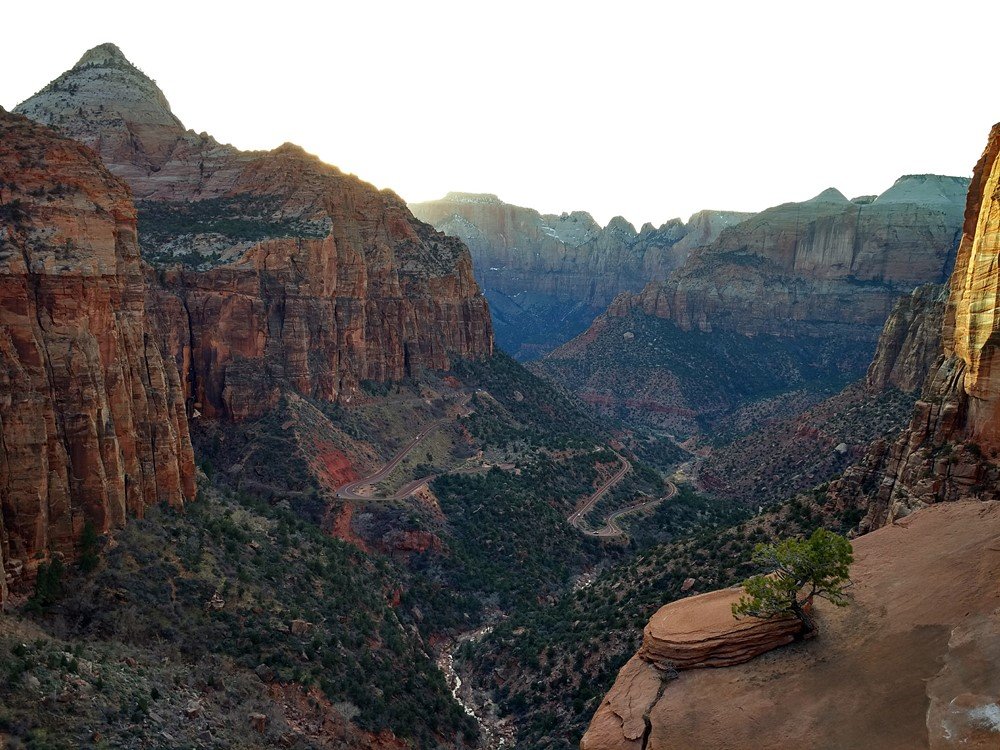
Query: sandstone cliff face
{"points": [[698, 632], [910, 343], [296, 276], [538, 269], [924, 611], [817, 268], [946, 452], [92, 416]]}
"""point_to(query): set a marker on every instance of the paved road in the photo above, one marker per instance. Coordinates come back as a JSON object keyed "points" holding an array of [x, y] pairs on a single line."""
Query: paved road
{"points": [[576, 517], [350, 491], [611, 527]]}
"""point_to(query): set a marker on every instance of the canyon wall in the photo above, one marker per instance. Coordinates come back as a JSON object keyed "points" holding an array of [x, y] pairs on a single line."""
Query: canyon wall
{"points": [[823, 267], [910, 343], [949, 450], [274, 270], [547, 276], [92, 415]]}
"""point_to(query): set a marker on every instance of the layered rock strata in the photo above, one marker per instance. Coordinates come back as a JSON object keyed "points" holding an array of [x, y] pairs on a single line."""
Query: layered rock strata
{"points": [[823, 267], [910, 343], [949, 450], [542, 269], [917, 643], [568, 256], [294, 275], [92, 414], [700, 631]]}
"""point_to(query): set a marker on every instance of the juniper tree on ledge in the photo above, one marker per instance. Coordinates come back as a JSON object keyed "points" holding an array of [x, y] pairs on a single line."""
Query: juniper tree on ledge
{"points": [[799, 570]]}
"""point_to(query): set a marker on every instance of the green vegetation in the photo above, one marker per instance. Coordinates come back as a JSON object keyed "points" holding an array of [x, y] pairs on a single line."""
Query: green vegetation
{"points": [[798, 570], [551, 662], [239, 218], [89, 547], [681, 381], [517, 406], [48, 585], [501, 522], [249, 587]]}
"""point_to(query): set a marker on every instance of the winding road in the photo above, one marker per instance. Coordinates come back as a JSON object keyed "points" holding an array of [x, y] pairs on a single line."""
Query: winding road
{"points": [[349, 491], [611, 527], [576, 517]]}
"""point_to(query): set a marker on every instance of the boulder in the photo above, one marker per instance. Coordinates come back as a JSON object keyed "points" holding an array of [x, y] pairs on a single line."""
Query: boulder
{"points": [[701, 631]]}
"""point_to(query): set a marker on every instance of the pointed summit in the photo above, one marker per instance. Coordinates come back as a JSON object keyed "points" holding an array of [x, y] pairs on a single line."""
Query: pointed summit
{"points": [[103, 55], [830, 195], [109, 104]]}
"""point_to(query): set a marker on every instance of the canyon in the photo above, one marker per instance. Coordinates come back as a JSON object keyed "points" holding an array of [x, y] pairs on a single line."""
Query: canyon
{"points": [[547, 276], [278, 271], [382, 491], [792, 299], [924, 596]]}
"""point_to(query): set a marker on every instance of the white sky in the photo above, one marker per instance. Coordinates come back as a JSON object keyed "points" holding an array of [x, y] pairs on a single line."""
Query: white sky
{"points": [[645, 109]]}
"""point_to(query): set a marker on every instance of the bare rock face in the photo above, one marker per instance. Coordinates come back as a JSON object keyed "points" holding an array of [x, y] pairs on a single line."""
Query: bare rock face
{"points": [[92, 415], [276, 272], [692, 633], [539, 268], [918, 644], [949, 449], [821, 267], [910, 342], [700, 631]]}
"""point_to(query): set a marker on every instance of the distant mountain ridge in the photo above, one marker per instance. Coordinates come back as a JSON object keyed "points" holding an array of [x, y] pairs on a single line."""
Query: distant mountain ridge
{"points": [[548, 275], [793, 297], [816, 267]]}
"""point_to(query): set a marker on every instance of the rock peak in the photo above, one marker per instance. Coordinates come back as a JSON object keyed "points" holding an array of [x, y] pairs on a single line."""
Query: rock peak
{"points": [[620, 224], [830, 195], [102, 55], [926, 189]]}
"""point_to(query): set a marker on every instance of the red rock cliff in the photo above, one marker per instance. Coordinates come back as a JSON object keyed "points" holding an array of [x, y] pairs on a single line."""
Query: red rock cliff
{"points": [[949, 450], [92, 417], [294, 275]]}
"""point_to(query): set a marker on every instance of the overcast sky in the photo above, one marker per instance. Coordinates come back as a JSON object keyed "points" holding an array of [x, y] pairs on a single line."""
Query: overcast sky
{"points": [[646, 109]]}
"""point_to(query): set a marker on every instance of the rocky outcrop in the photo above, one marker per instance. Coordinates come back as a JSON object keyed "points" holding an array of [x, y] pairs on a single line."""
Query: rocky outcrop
{"points": [[910, 342], [948, 451], [276, 272], [548, 275], [696, 632], [92, 415], [700, 631], [823, 267], [924, 605]]}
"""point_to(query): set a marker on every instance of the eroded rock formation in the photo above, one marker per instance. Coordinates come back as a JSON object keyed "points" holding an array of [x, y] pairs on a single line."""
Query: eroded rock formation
{"points": [[917, 643], [700, 631], [295, 276], [822, 267], [92, 415], [910, 342], [547, 276], [948, 451]]}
